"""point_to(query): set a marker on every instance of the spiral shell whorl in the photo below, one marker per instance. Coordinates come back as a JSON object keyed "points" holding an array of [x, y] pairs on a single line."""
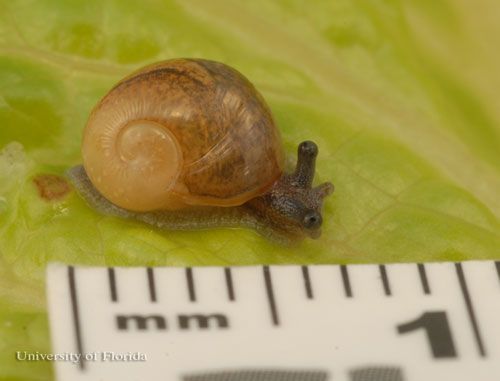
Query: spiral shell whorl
{"points": [[134, 165]]}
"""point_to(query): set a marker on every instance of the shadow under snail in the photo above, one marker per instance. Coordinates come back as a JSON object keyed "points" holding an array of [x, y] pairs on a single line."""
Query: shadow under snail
{"points": [[190, 143]]}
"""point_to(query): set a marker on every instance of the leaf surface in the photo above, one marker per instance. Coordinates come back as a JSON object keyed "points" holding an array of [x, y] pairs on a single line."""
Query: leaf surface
{"points": [[401, 97]]}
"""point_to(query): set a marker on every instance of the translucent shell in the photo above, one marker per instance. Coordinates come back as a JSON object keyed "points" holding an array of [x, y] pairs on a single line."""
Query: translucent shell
{"points": [[181, 133]]}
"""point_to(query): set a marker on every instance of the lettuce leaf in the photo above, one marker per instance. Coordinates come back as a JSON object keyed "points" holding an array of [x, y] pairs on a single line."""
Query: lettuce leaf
{"points": [[401, 97]]}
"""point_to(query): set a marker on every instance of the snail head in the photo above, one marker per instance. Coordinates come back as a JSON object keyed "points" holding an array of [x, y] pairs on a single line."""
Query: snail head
{"points": [[293, 204]]}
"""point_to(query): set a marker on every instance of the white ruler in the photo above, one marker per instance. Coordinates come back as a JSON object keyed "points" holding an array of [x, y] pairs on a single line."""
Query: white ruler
{"points": [[412, 322]]}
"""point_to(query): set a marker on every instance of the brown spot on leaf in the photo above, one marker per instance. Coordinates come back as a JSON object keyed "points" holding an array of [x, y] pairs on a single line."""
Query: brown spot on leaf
{"points": [[51, 187]]}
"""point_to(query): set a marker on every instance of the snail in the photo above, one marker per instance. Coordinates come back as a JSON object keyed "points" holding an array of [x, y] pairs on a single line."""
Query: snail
{"points": [[190, 143]]}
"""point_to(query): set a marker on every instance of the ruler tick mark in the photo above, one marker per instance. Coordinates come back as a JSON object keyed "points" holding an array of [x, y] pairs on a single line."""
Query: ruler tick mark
{"points": [[76, 315], [307, 282], [151, 283], [346, 281], [385, 280], [470, 309], [270, 295], [229, 284], [112, 284], [423, 278], [190, 284]]}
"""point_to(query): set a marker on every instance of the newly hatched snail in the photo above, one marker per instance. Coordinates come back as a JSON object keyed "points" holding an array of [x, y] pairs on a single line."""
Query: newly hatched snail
{"points": [[190, 143]]}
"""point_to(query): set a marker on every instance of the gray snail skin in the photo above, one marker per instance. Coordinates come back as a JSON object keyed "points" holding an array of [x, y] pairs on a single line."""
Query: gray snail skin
{"points": [[190, 144]]}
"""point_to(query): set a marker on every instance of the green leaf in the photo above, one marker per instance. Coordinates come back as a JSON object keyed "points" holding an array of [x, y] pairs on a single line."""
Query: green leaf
{"points": [[401, 97]]}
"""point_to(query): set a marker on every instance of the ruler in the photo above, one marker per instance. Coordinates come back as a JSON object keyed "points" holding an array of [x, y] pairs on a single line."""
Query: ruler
{"points": [[413, 322]]}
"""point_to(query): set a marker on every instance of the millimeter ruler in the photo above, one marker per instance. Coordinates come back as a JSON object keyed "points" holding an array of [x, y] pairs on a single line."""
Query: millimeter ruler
{"points": [[412, 322]]}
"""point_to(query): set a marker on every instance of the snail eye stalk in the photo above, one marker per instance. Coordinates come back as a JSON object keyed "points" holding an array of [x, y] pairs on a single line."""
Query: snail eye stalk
{"points": [[306, 164]]}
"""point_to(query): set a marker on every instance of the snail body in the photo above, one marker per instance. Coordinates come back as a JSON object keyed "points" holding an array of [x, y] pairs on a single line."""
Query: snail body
{"points": [[190, 143]]}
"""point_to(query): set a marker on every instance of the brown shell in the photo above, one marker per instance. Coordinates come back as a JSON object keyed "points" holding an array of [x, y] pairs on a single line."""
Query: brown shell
{"points": [[231, 149]]}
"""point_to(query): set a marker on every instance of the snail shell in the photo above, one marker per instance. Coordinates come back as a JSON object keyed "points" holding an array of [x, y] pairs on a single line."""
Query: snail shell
{"points": [[180, 133]]}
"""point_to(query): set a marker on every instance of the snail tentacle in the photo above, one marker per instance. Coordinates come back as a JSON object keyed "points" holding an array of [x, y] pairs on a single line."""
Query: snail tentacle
{"points": [[306, 164]]}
